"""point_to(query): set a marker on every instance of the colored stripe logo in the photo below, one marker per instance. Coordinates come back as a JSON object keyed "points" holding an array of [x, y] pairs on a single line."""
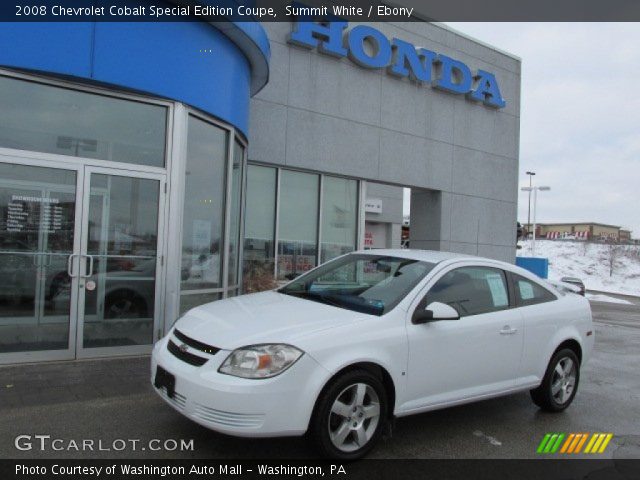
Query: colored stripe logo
{"points": [[574, 443]]}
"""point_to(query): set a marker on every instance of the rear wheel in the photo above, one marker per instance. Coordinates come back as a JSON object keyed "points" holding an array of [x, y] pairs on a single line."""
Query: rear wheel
{"points": [[350, 415], [560, 383]]}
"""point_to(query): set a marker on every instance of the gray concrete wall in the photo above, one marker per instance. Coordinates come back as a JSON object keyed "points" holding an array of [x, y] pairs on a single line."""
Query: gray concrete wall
{"points": [[326, 114]]}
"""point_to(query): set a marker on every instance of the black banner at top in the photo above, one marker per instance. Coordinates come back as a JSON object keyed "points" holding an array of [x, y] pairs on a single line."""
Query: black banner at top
{"points": [[285, 10]]}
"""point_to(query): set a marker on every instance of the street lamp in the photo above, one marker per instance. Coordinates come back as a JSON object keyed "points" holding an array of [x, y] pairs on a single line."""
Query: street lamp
{"points": [[535, 201], [531, 174]]}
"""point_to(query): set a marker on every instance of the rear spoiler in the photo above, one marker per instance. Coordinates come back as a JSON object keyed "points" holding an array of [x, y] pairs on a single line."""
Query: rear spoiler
{"points": [[564, 287]]}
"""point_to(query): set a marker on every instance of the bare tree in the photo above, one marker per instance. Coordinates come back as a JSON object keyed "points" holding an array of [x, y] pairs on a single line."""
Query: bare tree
{"points": [[615, 251]]}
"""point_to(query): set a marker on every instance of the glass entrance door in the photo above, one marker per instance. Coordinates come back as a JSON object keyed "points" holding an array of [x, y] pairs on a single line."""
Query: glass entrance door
{"points": [[119, 262], [80, 262], [38, 235]]}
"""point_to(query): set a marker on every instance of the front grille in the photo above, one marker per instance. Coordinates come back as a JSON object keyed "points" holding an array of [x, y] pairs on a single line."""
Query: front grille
{"points": [[187, 357], [203, 347]]}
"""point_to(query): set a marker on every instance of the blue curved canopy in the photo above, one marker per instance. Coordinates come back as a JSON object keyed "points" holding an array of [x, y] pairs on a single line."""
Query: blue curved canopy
{"points": [[214, 67]]}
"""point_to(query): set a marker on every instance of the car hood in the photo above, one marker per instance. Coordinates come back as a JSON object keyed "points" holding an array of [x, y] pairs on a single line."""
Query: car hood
{"points": [[266, 317]]}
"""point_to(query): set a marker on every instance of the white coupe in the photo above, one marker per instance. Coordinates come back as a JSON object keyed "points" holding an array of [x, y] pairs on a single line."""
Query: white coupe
{"points": [[369, 336]]}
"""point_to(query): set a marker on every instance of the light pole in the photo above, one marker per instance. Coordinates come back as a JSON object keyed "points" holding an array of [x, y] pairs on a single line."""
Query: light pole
{"points": [[535, 201], [531, 174]]}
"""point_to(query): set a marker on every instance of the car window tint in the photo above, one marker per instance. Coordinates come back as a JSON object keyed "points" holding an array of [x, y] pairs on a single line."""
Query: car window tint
{"points": [[471, 290], [529, 292]]}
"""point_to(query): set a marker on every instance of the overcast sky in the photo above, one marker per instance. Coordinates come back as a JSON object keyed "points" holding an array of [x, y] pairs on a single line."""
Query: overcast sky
{"points": [[580, 117]]}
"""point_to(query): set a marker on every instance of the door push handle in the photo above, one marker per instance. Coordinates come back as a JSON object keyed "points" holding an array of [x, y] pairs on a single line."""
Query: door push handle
{"points": [[87, 275], [70, 264], [507, 330]]}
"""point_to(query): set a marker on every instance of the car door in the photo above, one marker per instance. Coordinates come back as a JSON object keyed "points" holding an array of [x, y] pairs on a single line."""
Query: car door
{"points": [[540, 313], [477, 354]]}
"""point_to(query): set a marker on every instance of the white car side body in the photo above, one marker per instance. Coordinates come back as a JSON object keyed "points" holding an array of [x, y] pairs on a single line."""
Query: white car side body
{"points": [[540, 329], [431, 365]]}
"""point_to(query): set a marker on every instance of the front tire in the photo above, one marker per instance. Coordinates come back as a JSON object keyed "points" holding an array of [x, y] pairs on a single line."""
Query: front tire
{"points": [[350, 416], [560, 382]]}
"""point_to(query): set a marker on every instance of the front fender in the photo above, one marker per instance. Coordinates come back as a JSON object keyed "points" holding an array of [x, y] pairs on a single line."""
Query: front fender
{"points": [[385, 347]]}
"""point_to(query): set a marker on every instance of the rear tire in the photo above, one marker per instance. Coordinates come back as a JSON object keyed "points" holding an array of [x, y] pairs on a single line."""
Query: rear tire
{"points": [[350, 416], [560, 382]]}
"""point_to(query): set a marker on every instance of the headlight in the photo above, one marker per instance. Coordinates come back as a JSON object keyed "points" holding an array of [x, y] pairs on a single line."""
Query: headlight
{"points": [[260, 361]]}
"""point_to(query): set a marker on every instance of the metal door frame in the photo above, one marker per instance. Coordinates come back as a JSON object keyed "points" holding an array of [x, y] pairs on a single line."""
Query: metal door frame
{"points": [[80, 350]]}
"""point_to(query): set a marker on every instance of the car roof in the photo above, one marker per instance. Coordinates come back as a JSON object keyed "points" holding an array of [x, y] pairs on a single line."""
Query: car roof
{"points": [[431, 256], [436, 256]]}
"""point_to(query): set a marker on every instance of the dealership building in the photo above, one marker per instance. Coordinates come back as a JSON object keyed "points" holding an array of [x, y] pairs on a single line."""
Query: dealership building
{"points": [[146, 168]]}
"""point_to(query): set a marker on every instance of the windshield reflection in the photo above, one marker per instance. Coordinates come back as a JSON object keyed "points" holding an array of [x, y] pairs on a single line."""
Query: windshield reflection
{"points": [[371, 284]]}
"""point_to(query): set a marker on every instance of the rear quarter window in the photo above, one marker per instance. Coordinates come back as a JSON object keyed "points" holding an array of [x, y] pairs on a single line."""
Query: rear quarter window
{"points": [[528, 292]]}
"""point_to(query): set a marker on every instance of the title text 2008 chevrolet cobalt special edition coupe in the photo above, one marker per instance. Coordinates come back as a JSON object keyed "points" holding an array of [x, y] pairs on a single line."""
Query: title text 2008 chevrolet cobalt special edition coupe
{"points": [[371, 335]]}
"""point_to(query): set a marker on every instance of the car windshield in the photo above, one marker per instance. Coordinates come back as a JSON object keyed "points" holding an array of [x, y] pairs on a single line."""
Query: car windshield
{"points": [[372, 284]]}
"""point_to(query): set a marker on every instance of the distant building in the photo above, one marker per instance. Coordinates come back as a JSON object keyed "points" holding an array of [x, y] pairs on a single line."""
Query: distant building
{"points": [[581, 230], [625, 235]]}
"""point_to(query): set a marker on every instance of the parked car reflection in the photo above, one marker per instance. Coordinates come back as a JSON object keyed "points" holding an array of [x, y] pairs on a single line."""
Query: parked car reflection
{"points": [[127, 285]]}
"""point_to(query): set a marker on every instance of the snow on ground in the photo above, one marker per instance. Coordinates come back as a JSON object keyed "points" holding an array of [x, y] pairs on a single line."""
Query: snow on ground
{"points": [[591, 262], [600, 297]]}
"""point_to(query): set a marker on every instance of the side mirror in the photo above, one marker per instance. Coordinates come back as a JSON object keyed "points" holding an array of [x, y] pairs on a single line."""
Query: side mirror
{"points": [[434, 312]]}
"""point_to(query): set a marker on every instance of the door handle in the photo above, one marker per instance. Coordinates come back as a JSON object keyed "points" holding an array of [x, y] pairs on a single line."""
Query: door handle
{"points": [[507, 330], [87, 275], [70, 264]]}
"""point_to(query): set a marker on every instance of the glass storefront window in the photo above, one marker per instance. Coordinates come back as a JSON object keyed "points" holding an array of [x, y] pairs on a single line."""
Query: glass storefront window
{"points": [[298, 223], [339, 217], [49, 119], [259, 229], [187, 302], [113, 269], [203, 207], [234, 221]]}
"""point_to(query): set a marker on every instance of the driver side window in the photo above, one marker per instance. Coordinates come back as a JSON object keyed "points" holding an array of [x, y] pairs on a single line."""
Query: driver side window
{"points": [[471, 290]]}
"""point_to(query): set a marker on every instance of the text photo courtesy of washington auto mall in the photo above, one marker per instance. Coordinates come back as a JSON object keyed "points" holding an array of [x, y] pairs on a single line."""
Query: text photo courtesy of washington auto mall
{"points": [[345, 239]]}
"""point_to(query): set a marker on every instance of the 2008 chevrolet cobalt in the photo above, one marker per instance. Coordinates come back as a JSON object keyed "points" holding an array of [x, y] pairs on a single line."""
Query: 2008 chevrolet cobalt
{"points": [[370, 335]]}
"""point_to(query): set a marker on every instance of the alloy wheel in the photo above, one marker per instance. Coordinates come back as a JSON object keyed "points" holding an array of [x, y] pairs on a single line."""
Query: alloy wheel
{"points": [[354, 417], [564, 380]]}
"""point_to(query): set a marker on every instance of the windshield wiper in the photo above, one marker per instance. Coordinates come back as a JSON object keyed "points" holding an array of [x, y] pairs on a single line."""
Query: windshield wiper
{"points": [[316, 297], [355, 303]]}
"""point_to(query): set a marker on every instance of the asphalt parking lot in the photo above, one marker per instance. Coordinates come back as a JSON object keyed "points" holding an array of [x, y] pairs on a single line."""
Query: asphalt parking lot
{"points": [[106, 400]]}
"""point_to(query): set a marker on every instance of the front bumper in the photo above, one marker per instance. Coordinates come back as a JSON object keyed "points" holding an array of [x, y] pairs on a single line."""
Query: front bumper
{"points": [[278, 406]]}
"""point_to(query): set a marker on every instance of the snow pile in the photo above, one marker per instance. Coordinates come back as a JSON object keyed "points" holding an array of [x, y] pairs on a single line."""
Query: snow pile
{"points": [[592, 263]]}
